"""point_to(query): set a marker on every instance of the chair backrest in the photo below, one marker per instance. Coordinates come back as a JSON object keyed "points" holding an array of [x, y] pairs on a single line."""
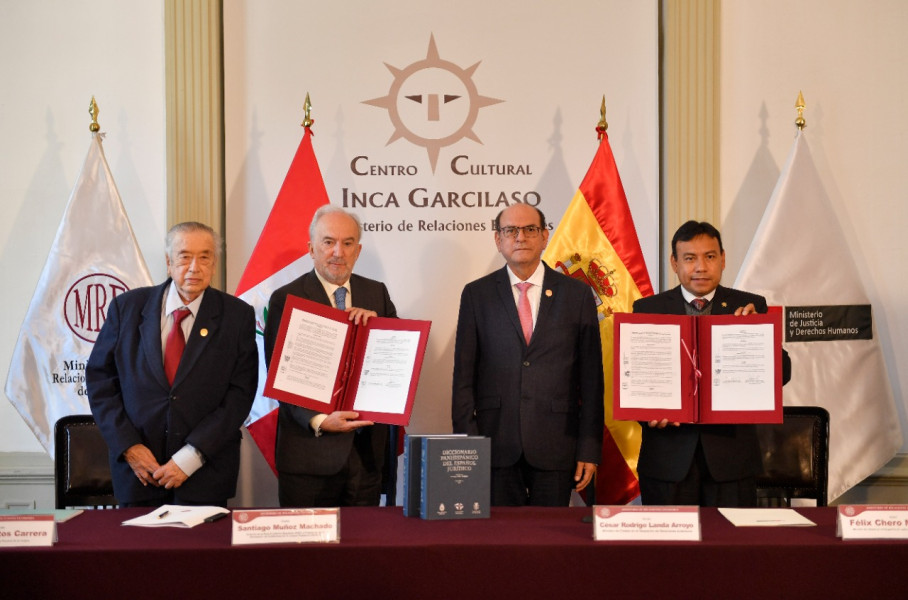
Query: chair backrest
{"points": [[81, 468], [795, 457]]}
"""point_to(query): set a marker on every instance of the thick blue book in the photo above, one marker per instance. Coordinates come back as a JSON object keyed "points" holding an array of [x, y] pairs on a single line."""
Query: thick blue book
{"points": [[413, 470], [456, 474]]}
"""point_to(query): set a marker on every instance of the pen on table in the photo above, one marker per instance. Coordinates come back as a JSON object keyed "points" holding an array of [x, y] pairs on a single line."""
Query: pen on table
{"points": [[163, 514], [214, 518]]}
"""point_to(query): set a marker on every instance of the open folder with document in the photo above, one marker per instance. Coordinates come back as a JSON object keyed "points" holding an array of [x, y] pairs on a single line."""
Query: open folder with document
{"points": [[324, 362]]}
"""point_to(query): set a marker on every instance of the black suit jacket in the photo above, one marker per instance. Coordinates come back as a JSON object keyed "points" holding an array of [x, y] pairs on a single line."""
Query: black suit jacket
{"points": [[542, 400], [211, 395], [297, 450], [731, 451]]}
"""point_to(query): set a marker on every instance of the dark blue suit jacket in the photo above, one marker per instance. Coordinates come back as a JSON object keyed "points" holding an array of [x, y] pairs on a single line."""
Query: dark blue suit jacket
{"points": [[732, 451], [211, 395], [297, 450], [544, 399]]}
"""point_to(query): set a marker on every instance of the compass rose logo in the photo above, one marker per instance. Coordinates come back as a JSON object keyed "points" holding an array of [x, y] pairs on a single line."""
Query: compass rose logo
{"points": [[433, 103]]}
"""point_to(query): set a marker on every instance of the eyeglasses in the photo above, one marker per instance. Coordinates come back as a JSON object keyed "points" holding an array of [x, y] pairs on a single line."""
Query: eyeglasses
{"points": [[529, 231]]}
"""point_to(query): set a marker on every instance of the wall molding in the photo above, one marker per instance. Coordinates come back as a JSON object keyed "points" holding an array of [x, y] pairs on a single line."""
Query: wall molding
{"points": [[690, 117], [194, 89]]}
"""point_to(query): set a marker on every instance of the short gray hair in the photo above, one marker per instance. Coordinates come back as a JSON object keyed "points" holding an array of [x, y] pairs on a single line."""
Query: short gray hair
{"points": [[189, 227], [329, 209]]}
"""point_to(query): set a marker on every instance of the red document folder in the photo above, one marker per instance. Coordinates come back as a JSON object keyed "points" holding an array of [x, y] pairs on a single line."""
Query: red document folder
{"points": [[699, 368], [324, 362]]}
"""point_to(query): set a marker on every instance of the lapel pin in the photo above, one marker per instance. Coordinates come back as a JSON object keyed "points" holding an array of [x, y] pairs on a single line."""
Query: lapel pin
{"points": [[204, 332], [548, 293], [725, 305]]}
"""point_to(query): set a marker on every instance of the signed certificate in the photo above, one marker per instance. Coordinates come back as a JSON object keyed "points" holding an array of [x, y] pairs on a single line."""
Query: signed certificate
{"points": [[742, 374], [650, 374], [698, 369], [324, 362]]}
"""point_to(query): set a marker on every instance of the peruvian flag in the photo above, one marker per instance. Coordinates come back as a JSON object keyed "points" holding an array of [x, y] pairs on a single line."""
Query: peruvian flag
{"points": [[596, 242], [280, 256]]}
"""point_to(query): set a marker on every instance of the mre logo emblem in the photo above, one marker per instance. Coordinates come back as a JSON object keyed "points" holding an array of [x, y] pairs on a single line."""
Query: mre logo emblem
{"points": [[86, 302]]}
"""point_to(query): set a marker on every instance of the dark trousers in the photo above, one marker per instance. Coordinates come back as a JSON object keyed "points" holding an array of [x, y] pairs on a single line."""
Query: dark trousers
{"points": [[699, 488], [522, 484], [169, 499], [358, 483]]}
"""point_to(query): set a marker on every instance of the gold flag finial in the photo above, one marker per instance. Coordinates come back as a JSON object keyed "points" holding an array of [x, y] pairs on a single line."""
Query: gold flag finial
{"points": [[602, 127], [93, 111], [800, 122], [307, 110]]}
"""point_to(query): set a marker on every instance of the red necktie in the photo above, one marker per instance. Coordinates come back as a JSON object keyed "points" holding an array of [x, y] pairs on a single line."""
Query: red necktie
{"points": [[523, 311], [176, 342], [699, 303]]}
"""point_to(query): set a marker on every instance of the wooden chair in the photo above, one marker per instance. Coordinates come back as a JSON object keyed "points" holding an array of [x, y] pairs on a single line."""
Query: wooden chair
{"points": [[795, 457]]}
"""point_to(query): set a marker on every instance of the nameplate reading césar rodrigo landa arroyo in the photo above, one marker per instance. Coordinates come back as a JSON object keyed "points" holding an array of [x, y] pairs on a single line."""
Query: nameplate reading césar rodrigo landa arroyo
{"points": [[286, 526], [872, 522], [27, 530], [646, 523]]}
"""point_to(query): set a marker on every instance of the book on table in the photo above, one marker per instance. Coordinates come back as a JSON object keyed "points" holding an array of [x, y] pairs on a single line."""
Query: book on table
{"points": [[323, 362], [698, 369], [455, 477]]}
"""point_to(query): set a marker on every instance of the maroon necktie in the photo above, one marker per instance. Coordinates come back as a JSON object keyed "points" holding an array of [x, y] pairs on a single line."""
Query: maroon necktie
{"points": [[173, 350], [699, 303], [523, 311]]}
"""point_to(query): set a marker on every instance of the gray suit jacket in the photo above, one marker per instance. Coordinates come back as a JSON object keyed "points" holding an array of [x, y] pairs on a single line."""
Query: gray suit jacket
{"points": [[542, 400], [297, 450]]}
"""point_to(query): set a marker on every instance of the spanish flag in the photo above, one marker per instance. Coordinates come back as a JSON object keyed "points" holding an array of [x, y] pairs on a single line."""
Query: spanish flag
{"points": [[596, 242]]}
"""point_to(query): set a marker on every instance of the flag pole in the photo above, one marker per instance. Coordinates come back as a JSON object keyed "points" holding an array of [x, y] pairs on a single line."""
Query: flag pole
{"points": [[602, 126], [799, 104], [307, 111], [93, 110]]}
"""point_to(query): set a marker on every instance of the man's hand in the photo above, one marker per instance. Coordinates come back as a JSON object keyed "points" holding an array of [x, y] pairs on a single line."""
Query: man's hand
{"points": [[143, 463], [746, 310], [343, 421], [584, 475], [663, 423], [170, 475], [358, 315]]}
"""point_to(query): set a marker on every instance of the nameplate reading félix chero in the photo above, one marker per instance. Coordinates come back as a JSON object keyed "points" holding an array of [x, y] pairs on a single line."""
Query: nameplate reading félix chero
{"points": [[872, 522], [27, 530], [286, 526], [646, 523]]}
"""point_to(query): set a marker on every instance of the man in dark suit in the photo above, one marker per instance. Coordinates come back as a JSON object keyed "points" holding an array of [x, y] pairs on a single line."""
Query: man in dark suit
{"points": [[528, 369], [171, 417], [336, 459], [708, 465]]}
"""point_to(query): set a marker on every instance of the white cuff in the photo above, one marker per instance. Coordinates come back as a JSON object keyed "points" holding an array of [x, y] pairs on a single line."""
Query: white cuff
{"points": [[188, 459], [316, 423]]}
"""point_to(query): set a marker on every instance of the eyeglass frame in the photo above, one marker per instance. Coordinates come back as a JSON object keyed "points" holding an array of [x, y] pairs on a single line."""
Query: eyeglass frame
{"points": [[512, 231]]}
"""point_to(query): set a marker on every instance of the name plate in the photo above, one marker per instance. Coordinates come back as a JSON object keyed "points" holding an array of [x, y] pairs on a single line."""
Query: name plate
{"points": [[27, 530], [286, 526], [872, 522], [646, 523]]}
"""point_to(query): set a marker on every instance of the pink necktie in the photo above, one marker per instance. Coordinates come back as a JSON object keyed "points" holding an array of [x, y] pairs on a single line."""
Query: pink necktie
{"points": [[523, 311], [176, 342], [699, 303]]}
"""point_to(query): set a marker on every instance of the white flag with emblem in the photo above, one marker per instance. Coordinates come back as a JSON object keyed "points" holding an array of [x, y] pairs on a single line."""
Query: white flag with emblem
{"points": [[801, 259], [94, 258]]}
